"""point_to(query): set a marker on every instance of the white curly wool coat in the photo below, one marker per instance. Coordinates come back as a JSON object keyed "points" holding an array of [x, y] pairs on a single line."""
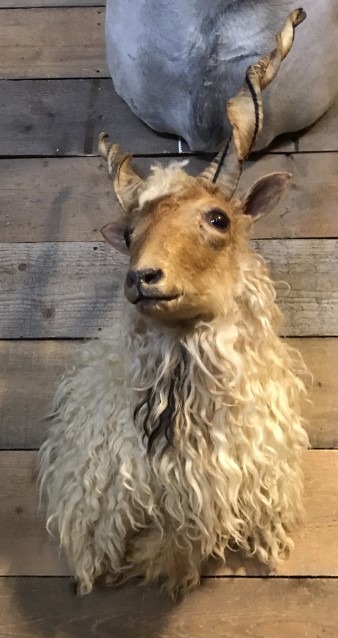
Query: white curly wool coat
{"points": [[230, 473]]}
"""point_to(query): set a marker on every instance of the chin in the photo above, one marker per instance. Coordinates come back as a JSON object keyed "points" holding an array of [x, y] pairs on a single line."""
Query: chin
{"points": [[159, 309], [172, 312]]}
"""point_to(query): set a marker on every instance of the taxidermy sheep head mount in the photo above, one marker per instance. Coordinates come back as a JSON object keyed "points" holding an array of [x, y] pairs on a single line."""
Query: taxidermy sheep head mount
{"points": [[187, 236]]}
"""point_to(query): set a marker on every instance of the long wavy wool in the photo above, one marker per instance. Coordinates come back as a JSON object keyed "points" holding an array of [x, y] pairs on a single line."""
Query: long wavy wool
{"points": [[229, 397]]}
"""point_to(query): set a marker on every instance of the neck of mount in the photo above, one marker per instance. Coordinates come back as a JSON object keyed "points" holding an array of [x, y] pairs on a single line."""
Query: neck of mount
{"points": [[172, 375]]}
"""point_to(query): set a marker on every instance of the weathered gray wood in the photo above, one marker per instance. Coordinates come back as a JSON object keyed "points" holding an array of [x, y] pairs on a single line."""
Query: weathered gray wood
{"points": [[27, 549], [323, 136], [69, 199], [59, 289], [29, 373], [23, 4], [64, 117], [22, 523], [26, 366], [307, 608], [52, 43], [55, 199], [310, 268], [321, 357], [74, 289], [310, 208]]}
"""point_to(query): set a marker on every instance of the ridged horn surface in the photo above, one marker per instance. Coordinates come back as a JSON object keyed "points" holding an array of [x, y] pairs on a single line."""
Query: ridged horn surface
{"points": [[127, 183], [245, 110]]}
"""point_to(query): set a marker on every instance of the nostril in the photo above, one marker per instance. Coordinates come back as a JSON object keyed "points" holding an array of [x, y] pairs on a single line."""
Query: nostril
{"points": [[147, 277], [151, 276]]}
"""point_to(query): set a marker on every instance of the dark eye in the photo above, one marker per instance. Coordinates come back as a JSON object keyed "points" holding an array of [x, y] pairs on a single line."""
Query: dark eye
{"points": [[127, 237], [218, 219]]}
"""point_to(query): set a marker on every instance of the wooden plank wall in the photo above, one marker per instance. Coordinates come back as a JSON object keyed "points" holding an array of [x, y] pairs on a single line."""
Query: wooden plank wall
{"points": [[60, 283]]}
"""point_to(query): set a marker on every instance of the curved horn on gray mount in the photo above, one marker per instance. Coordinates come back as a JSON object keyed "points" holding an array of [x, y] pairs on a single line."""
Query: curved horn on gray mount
{"points": [[245, 111], [127, 183]]}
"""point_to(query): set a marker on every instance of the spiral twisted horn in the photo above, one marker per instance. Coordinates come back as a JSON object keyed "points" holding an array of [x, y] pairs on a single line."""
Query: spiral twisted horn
{"points": [[245, 110]]}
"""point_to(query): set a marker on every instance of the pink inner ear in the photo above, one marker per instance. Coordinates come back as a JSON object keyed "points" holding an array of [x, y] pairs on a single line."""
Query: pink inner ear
{"points": [[114, 235], [265, 194]]}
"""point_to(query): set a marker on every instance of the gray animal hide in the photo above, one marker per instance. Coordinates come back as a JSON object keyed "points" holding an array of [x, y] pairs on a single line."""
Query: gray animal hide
{"points": [[177, 62]]}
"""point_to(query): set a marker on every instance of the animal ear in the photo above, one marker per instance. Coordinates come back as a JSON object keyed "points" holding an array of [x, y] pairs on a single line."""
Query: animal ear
{"points": [[114, 235], [265, 194]]}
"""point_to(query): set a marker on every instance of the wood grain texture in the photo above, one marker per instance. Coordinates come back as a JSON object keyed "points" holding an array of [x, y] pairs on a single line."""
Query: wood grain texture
{"points": [[323, 136], [26, 548], [310, 268], [52, 43], [62, 199], [71, 198], [73, 289], [59, 289], [28, 365], [64, 117], [24, 4], [321, 358], [310, 207], [29, 373], [257, 608]]}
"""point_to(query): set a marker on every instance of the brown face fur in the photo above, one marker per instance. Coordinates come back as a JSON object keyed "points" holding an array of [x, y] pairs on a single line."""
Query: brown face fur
{"points": [[199, 262]]}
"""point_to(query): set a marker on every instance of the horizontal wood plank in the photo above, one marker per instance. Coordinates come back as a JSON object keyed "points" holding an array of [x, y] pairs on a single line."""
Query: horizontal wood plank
{"points": [[71, 200], [28, 4], [52, 43], [309, 267], [73, 289], [26, 548], [28, 365], [257, 608], [64, 117], [73, 197], [321, 358], [59, 289]]}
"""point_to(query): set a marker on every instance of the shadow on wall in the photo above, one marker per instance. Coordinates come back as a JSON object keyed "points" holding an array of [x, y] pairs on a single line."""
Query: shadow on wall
{"points": [[48, 608]]}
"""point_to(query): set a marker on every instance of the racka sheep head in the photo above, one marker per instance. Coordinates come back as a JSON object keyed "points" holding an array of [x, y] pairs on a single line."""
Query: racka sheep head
{"points": [[187, 237]]}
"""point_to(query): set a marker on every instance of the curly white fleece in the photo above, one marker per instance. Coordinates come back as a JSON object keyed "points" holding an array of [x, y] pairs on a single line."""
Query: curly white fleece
{"points": [[232, 474]]}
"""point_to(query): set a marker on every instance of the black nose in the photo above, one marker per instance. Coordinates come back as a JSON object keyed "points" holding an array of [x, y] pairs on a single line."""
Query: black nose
{"points": [[141, 277]]}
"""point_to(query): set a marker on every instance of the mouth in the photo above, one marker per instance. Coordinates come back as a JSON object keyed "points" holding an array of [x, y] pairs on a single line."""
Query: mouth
{"points": [[146, 301]]}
